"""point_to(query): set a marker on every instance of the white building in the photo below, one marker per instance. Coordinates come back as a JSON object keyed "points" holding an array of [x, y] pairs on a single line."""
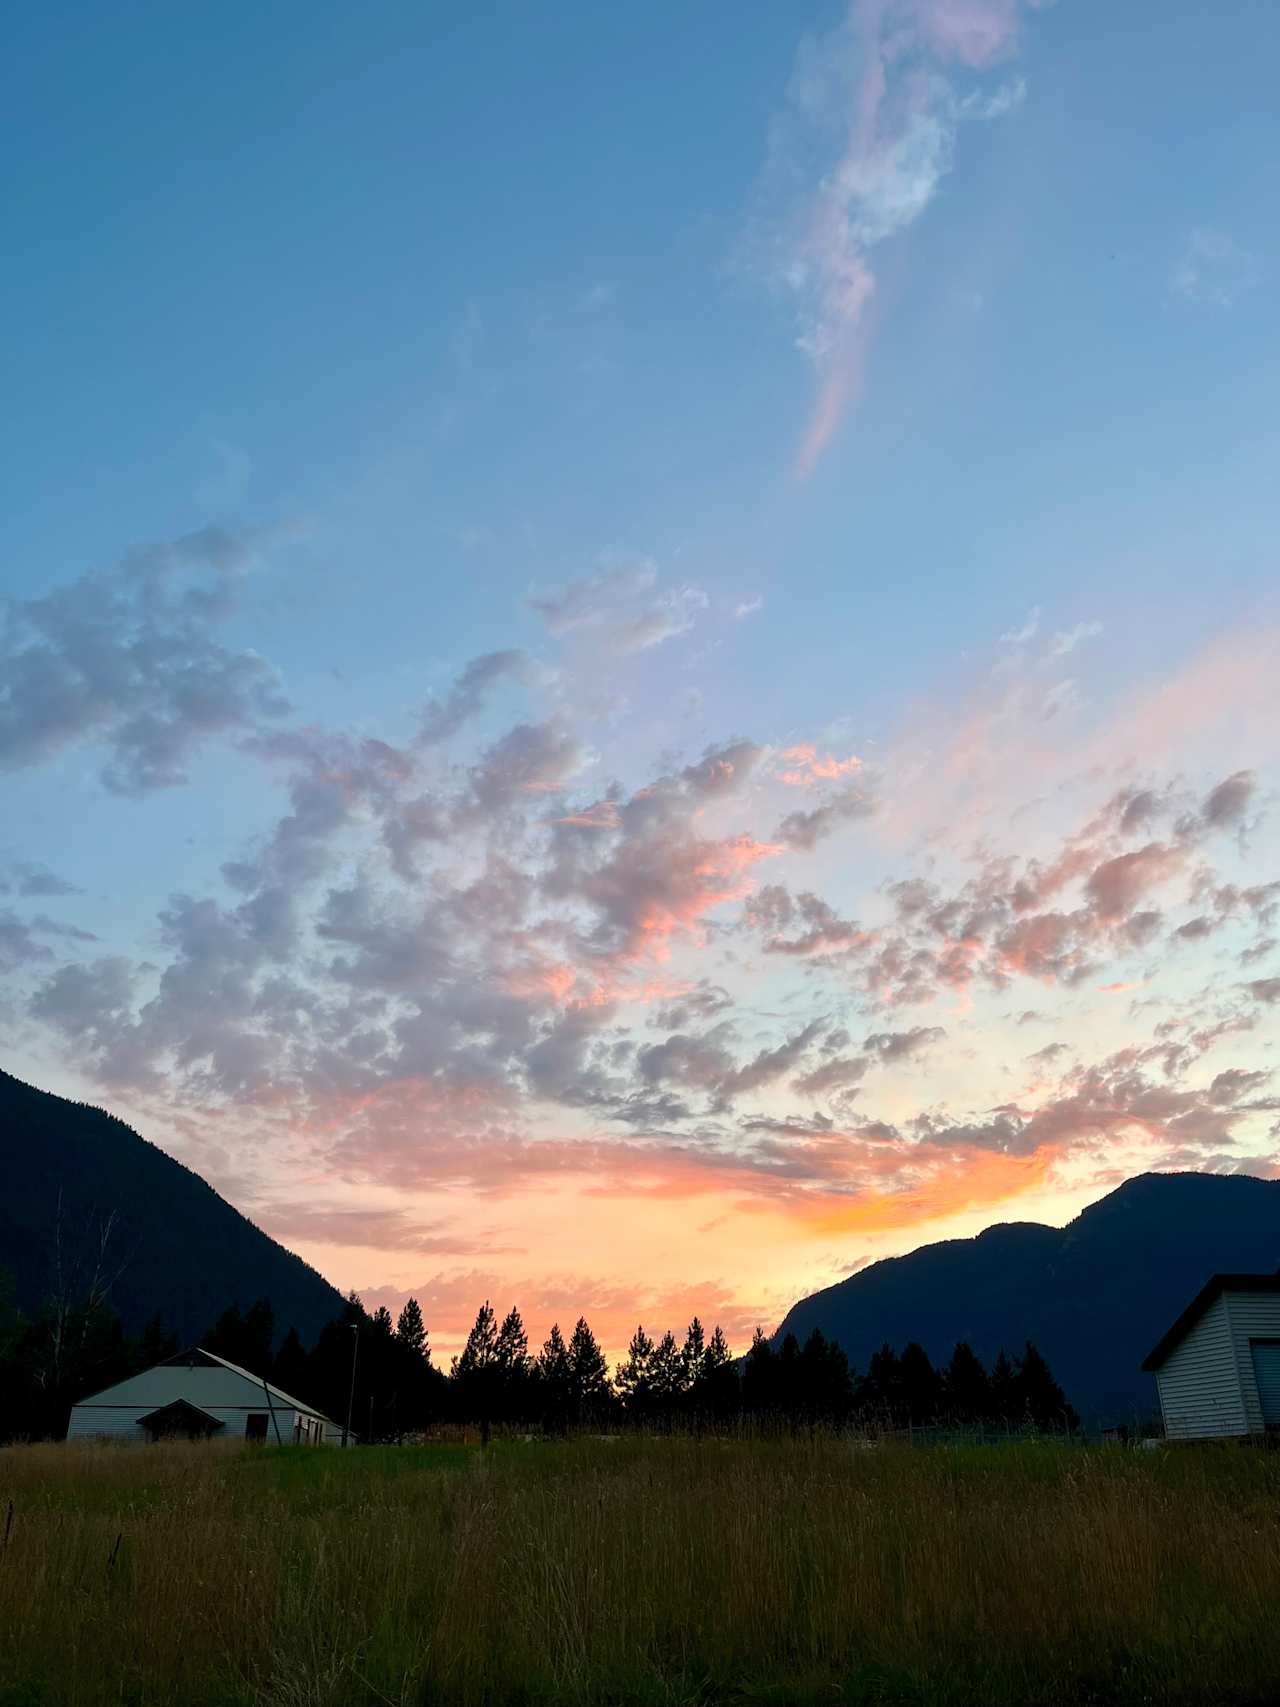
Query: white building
{"points": [[1218, 1367], [198, 1395]]}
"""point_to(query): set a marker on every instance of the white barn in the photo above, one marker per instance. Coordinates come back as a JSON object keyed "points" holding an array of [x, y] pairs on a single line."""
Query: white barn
{"points": [[200, 1396], [1218, 1367]]}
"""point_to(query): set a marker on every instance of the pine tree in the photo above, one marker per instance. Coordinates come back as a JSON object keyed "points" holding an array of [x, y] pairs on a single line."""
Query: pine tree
{"points": [[760, 1377], [668, 1375], [156, 1344], [1005, 1398], [634, 1378], [555, 1380], [290, 1369], [966, 1387], [693, 1356], [472, 1377], [918, 1385], [880, 1391], [590, 1392], [718, 1383], [411, 1330], [477, 1354], [381, 1322], [1041, 1400]]}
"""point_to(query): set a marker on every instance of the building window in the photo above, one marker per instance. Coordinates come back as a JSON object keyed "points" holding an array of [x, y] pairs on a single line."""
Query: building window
{"points": [[255, 1427]]}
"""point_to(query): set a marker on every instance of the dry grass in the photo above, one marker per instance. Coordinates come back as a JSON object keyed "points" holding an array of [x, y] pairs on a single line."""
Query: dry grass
{"points": [[638, 1572]]}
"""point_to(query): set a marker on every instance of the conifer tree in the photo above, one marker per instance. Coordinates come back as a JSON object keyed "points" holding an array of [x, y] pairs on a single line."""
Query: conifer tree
{"points": [[918, 1386], [1005, 1399], [718, 1381], [760, 1377], [693, 1355], [1041, 1400], [966, 1387], [590, 1392], [291, 1370], [634, 1378], [411, 1330], [668, 1375], [555, 1379]]}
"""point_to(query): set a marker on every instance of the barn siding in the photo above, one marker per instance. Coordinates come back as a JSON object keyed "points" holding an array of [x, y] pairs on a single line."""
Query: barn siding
{"points": [[120, 1422], [1199, 1382], [1253, 1316]]}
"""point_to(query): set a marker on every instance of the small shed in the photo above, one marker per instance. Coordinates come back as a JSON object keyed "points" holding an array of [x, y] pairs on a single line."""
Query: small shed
{"points": [[197, 1396], [1218, 1367]]}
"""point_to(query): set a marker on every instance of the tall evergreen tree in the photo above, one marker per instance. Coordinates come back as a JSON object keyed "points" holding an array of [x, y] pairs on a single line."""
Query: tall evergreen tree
{"points": [[1006, 1401], [966, 1387], [590, 1392], [1041, 1400], [693, 1354], [634, 1378], [718, 1384], [555, 1381], [411, 1330], [918, 1386], [760, 1378]]}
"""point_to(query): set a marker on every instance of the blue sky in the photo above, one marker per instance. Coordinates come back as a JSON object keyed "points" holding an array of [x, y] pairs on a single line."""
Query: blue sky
{"points": [[894, 381]]}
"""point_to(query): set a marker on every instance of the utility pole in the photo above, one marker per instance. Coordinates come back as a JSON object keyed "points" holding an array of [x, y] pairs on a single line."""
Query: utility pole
{"points": [[351, 1396]]}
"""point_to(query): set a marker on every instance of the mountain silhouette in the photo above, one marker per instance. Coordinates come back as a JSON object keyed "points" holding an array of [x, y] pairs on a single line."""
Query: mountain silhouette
{"points": [[1095, 1295], [174, 1245]]}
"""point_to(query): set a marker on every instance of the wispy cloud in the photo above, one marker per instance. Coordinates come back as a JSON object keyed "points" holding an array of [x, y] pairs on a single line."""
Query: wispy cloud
{"points": [[868, 133], [1069, 638], [1213, 268], [624, 604]]}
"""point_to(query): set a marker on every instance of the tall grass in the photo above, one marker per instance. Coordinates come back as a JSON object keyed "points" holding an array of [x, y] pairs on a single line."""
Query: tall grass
{"points": [[637, 1572]]}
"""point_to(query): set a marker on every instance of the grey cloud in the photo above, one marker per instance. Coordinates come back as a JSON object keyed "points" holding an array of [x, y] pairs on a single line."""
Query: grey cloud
{"points": [[899, 1045], [470, 694], [804, 830], [621, 603], [126, 658], [32, 878]]}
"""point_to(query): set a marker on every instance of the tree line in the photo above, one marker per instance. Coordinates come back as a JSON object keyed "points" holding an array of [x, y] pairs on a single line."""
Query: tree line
{"points": [[381, 1371]]}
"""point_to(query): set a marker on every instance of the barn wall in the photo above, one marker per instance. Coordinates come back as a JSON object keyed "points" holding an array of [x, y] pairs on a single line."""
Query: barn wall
{"points": [[1199, 1382], [1253, 1316], [120, 1422]]}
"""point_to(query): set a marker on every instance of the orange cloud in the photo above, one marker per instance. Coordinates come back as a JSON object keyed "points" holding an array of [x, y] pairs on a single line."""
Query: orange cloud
{"points": [[809, 768]]}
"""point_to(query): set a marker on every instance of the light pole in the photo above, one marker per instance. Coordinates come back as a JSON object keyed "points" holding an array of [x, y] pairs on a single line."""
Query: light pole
{"points": [[351, 1396]]}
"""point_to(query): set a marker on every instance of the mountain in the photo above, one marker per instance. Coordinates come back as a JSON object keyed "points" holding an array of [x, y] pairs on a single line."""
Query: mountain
{"points": [[1095, 1296], [178, 1246]]}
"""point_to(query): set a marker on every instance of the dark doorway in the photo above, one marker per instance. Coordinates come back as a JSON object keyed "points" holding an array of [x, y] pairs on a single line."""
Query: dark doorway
{"points": [[255, 1426]]}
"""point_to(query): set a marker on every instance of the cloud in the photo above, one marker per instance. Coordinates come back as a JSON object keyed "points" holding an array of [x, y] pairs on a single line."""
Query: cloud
{"points": [[748, 607], [1213, 269], [1030, 628], [867, 135], [623, 604], [470, 694], [125, 658], [31, 878], [1264, 989], [806, 829], [1068, 639]]}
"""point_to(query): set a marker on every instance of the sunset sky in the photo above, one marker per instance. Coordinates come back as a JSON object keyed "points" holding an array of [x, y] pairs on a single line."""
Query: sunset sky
{"points": [[640, 654]]}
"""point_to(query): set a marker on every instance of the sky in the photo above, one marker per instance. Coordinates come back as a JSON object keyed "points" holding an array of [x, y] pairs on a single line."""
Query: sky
{"points": [[640, 647]]}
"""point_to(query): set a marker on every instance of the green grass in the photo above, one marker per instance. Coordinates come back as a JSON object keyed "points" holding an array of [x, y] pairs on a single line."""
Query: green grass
{"points": [[638, 1574]]}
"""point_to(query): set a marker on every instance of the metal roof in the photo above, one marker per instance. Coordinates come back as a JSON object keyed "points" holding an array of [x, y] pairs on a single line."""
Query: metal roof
{"points": [[1213, 1289], [198, 1357]]}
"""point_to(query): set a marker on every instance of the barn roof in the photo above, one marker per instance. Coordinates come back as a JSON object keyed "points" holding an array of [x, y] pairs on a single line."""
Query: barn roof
{"points": [[1213, 1289], [198, 1358], [180, 1413]]}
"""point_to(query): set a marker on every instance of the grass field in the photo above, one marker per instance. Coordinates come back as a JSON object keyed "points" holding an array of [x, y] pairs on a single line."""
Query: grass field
{"points": [[637, 1572]]}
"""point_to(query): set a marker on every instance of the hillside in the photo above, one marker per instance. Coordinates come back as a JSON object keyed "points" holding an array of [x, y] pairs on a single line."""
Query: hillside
{"points": [[183, 1248], [1094, 1295]]}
